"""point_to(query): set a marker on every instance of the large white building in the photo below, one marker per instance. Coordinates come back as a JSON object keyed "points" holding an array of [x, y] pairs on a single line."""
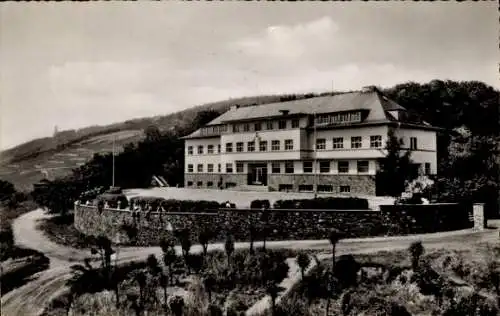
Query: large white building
{"points": [[327, 144]]}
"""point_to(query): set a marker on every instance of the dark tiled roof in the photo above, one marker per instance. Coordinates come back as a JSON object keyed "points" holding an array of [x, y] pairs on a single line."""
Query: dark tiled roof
{"points": [[376, 104], [319, 105]]}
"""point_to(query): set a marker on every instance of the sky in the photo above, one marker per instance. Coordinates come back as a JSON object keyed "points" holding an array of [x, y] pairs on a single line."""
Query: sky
{"points": [[73, 65]]}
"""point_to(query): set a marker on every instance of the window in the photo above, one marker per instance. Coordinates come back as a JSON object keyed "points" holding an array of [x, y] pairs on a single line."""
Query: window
{"points": [[375, 141], [246, 127], [282, 124], [210, 184], [236, 128], [210, 149], [289, 167], [321, 144], [219, 168], [239, 167], [288, 144], [230, 185], [229, 147], [343, 167], [275, 145], [199, 183], [324, 166], [210, 167], [190, 150], [285, 187], [239, 147], [413, 143], [306, 188], [190, 183], [190, 168], [275, 167], [325, 188], [269, 125], [338, 143], [363, 166], [229, 168], [200, 150], [251, 146], [427, 167], [218, 149], [199, 168], [345, 189], [307, 166], [257, 126], [356, 142], [263, 145], [295, 123]]}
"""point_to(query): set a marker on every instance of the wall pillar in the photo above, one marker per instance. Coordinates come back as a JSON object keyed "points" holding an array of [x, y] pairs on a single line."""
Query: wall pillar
{"points": [[478, 216]]}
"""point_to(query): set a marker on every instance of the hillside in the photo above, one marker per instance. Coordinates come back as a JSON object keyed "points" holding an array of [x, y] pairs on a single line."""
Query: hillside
{"points": [[55, 156]]}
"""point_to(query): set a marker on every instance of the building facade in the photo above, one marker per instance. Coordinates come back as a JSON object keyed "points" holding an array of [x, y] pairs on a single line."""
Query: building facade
{"points": [[323, 144]]}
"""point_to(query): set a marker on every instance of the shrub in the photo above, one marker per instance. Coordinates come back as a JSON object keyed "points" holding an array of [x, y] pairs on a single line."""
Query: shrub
{"points": [[172, 205], [113, 199], [330, 203], [260, 204]]}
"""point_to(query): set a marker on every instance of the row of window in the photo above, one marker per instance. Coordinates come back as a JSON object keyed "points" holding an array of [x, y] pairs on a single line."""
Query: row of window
{"points": [[337, 143], [289, 187], [356, 142], [307, 167], [268, 125]]}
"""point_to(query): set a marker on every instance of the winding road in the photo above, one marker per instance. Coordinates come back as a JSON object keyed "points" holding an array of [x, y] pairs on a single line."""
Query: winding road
{"points": [[32, 298]]}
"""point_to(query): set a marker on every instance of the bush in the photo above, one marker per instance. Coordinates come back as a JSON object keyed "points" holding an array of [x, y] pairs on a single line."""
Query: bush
{"points": [[260, 204], [172, 205], [330, 203], [113, 199]]}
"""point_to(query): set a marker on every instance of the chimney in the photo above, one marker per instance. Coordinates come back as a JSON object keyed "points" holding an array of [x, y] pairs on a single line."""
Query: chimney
{"points": [[284, 112], [234, 107], [369, 89]]}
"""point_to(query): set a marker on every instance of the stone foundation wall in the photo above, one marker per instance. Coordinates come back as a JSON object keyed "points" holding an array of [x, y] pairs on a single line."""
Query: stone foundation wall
{"points": [[359, 184], [275, 224]]}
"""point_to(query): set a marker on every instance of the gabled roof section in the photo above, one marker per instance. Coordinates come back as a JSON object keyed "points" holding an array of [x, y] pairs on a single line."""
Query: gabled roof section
{"points": [[320, 105], [370, 100]]}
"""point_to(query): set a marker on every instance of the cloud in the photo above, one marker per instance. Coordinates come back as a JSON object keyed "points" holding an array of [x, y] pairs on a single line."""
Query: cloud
{"points": [[289, 41]]}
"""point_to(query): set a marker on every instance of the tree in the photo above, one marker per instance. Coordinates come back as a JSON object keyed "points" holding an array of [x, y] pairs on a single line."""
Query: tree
{"points": [[209, 283], [185, 241], [416, 251], [177, 305], [395, 168], [164, 284], [273, 290], [7, 190], [229, 248], [303, 261], [169, 256], [334, 237], [204, 237], [152, 134]]}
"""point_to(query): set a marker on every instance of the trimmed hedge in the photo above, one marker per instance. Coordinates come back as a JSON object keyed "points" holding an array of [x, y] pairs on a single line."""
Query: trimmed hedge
{"points": [[172, 205], [260, 204], [329, 203], [113, 200]]}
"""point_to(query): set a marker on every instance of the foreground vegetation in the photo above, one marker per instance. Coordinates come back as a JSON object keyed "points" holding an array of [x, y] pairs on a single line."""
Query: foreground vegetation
{"points": [[174, 284]]}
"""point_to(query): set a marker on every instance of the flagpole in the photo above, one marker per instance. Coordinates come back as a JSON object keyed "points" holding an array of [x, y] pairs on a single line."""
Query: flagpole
{"points": [[113, 180], [315, 158]]}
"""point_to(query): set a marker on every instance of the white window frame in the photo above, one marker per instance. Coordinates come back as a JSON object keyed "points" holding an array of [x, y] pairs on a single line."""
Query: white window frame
{"points": [[275, 145], [320, 144], [367, 166], [190, 150], [190, 168], [341, 168], [376, 141], [356, 142], [288, 144], [338, 142]]}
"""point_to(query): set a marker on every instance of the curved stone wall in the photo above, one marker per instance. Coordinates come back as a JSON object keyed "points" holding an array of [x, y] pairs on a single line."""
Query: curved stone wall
{"points": [[148, 229]]}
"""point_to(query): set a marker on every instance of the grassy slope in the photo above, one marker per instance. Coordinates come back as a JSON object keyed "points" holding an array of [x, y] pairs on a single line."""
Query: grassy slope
{"points": [[19, 164]]}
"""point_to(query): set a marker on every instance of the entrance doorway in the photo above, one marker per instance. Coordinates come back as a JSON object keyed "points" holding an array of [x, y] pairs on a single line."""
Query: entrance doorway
{"points": [[257, 174]]}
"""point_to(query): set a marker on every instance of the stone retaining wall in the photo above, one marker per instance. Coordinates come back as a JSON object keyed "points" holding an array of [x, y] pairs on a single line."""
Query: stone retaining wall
{"points": [[275, 224]]}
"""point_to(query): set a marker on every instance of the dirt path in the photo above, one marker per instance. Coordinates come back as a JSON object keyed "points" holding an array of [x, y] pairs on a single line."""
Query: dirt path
{"points": [[31, 298]]}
